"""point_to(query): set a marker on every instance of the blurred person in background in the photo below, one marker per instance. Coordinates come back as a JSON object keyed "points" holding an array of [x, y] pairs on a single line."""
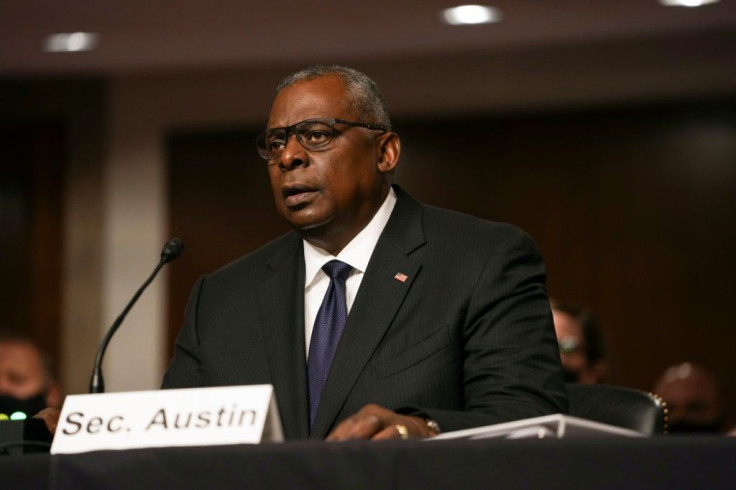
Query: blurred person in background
{"points": [[581, 344], [27, 381], [694, 399]]}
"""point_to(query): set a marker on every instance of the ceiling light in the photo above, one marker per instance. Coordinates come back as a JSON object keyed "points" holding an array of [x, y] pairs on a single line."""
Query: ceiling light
{"points": [[70, 42], [470, 14], [686, 3]]}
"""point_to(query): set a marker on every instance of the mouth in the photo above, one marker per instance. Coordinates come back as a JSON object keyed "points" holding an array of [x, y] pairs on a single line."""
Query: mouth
{"points": [[297, 194]]}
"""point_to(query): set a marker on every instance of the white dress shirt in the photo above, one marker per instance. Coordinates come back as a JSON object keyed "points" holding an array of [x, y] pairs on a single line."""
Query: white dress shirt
{"points": [[357, 254]]}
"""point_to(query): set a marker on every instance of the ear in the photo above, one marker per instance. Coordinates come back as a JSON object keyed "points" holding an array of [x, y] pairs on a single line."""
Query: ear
{"points": [[389, 148], [54, 395]]}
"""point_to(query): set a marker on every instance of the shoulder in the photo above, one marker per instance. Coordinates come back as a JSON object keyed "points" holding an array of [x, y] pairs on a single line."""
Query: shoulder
{"points": [[440, 219], [428, 231], [462, 231], [422, 223], [257, 261]]}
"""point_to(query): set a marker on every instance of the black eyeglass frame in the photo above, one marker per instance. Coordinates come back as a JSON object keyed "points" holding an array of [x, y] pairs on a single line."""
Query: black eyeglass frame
{"points": [[261, 139]]}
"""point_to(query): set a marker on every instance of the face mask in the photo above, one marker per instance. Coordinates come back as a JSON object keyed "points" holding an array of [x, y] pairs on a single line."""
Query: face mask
{"points": [[10, 405], [690, 428], [570, 376]]}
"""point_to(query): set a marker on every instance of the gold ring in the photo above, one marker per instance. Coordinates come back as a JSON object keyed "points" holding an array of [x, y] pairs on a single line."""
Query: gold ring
{"points": [[402, 430]]}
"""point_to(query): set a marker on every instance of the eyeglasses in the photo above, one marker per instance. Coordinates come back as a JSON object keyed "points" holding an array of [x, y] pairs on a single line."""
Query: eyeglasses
{"points": [[313, 134], [568, 345]]}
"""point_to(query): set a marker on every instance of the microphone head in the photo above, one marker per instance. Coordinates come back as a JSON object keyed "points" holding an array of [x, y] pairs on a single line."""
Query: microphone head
{"points": [[172, 250]]}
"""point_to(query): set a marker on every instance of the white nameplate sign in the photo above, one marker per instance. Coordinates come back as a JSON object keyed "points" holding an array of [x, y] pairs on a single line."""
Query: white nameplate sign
{"points": [[182, 417]]}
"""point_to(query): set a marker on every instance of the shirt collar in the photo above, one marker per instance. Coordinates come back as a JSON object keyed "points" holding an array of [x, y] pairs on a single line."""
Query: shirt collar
{"points": [[357, 253]]}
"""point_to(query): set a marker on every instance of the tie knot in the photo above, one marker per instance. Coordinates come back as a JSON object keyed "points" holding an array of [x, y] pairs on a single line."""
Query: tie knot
{"points": [[336, 269]]}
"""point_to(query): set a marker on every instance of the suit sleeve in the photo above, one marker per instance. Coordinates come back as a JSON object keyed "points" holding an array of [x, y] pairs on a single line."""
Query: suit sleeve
{"points": [[511, 364], [185, 368]]}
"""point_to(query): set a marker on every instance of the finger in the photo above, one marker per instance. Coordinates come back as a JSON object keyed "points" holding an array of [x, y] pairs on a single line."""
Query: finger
{"points": [[50, 416], [392, 431], [356, 427]]}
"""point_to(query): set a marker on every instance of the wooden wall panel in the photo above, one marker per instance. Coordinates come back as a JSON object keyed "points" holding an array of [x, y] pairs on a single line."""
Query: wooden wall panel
{"points": [[32, 166]]}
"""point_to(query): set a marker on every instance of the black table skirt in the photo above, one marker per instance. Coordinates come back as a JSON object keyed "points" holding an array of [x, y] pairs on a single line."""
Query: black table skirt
{"points": [[664, 462]]}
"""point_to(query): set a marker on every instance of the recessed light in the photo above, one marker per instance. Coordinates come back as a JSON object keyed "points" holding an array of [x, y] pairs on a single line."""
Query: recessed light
{"points": [[69, 42], [470, 15], [686, 3]]}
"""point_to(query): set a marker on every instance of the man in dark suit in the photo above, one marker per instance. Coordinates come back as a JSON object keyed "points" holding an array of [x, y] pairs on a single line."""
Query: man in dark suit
{"points": [[447, 320]]}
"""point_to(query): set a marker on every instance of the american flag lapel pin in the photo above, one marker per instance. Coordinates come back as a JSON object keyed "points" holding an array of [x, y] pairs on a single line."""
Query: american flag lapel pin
{"points": [[401, 277]]}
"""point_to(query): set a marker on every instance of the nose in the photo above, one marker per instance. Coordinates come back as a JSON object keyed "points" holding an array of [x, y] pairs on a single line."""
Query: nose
{"points": [[294, 154]]}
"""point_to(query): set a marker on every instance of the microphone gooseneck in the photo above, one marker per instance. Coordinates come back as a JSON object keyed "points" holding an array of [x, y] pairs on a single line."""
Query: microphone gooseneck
{"points": [[171, 251]]}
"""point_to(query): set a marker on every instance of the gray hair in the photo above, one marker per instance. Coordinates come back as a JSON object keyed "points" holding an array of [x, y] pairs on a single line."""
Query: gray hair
{"points": [[364, 96]]}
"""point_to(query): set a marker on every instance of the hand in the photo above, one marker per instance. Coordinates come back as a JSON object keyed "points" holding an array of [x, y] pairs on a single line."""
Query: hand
{"points": [[377, 423], [50, 416]]}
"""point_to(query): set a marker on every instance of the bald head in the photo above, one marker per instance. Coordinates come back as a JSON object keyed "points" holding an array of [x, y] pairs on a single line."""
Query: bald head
{"points": [[693, 397]]}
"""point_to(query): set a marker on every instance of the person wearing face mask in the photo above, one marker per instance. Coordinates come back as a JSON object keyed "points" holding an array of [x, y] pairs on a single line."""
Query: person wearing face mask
{"points": [[694, 400], [27, 382], [581, 344]]}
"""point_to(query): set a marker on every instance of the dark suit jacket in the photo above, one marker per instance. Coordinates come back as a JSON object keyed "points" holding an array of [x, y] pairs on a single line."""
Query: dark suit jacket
{"points": [[467, 337]]}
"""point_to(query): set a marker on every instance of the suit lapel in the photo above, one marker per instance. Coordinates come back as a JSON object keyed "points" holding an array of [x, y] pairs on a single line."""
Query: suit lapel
{"points": [[281, 302], [388, 278]]}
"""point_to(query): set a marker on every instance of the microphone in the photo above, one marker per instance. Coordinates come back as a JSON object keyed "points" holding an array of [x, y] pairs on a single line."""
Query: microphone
{"points": [[171, 251]]}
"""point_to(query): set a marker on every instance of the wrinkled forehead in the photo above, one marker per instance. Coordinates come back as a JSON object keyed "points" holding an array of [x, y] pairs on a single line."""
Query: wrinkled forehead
{"points": [[322, 97]]}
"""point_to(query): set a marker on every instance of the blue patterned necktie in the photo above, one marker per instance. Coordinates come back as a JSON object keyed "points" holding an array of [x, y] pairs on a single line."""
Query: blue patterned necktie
{"points": [[328, 326]]}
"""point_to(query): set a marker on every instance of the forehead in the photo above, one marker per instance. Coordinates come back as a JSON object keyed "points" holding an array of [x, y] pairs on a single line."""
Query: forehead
{"points": [[19, 356], [691, 387], [322, 97], [566, 325]]}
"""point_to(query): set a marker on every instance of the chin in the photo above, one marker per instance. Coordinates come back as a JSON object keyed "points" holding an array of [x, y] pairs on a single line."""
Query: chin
{"points": [[307, 223]]}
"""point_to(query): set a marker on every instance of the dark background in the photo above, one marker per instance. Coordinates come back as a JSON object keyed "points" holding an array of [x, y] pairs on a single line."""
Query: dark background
{"points": [[31, 165]]}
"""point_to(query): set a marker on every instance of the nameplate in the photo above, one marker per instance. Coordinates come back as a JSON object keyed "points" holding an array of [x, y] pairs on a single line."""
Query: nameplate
{"points": [[181, 417]]}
